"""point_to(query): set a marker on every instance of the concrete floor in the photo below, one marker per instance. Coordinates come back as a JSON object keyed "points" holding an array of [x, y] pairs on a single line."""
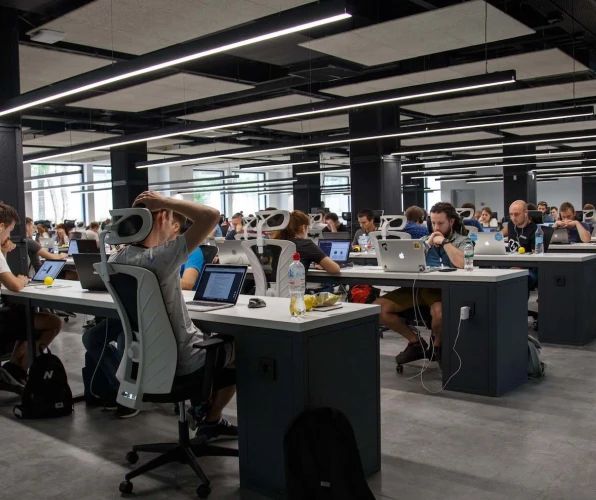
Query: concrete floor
{"points": [[538, 442]]}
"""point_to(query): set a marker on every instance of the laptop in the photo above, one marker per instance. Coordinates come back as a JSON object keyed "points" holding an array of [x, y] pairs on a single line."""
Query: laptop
{"points": [[337, 250], [88, 276], [560, 236], [82, 246], [405, 256], [219, 287], [340, 235], [49, 268], [231, 252], [491, 229], [488, 243], [46, 242]]}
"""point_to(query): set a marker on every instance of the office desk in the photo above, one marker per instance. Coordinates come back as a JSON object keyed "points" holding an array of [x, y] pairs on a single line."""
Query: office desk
{"points": [[327, 359], [566, 290], [492, 345], [575, 247]]}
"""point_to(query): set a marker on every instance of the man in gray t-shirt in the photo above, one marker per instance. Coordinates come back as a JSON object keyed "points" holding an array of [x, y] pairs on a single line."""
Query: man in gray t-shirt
{"points": [[164, 256]]}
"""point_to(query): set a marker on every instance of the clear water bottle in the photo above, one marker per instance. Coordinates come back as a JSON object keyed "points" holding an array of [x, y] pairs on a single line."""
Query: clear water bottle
{"points": [[469, 257], [297, 282], [56, 247], [539, 239]]}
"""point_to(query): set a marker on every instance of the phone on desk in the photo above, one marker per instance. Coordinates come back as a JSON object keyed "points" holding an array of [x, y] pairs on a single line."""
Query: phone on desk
{"points": [[447, 269]]}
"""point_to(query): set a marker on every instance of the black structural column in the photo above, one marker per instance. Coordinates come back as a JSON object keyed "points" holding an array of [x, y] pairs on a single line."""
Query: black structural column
{"points": [[375, 178], [12, 184], [128, 181], [307, 191], [588, 190], [413, 192], [519, 183]]}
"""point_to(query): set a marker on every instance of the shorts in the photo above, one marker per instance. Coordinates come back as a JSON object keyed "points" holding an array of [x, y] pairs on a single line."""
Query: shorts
{"points": [[12, 324], [402, 297]]}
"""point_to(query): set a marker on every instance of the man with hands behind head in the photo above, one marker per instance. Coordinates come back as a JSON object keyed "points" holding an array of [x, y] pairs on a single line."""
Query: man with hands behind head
{"points": [[578, 231]]}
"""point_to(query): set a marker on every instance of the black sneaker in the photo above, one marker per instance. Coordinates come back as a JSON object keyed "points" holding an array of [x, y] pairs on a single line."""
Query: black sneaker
{"points": [[13, 375], [213, 431], [125, 412], [413, 352]]}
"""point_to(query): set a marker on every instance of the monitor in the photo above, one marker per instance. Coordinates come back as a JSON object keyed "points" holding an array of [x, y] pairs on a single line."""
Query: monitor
{"points": [[347, 216], [536, 216], [579, 215], [496, 215], [336, 250], [377, 215]]}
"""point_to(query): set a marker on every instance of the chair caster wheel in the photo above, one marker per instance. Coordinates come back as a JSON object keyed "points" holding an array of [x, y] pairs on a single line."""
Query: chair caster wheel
{"points": [[132, 457], [203, 491], [125, 487], [399, 368]]}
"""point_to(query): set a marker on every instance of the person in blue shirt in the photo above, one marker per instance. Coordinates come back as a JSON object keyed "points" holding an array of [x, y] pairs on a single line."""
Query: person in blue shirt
{"points": [[543, 207], [578, 231], [416, 225], [190, 271], [472, 222]]}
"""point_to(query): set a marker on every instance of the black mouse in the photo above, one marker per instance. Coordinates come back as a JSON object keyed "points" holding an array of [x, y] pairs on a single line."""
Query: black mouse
{"points": [[256, 303]]}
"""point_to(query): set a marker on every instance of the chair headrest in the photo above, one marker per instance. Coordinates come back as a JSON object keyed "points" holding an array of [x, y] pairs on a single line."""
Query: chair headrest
{"points": [[273, 220], [129, 225], [465, 213]]}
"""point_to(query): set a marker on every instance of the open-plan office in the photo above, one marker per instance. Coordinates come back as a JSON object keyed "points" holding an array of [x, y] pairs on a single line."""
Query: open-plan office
{"points": [[333, 249]]}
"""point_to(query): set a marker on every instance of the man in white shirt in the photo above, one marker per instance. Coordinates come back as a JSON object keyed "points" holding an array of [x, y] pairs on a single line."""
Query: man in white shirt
{"points": [[164, 256], [13, 374], [93, 232]]}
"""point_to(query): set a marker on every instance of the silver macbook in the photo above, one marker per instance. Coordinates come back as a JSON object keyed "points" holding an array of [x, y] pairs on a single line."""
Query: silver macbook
{"points": [[488, 243], [219, 287], [405, 256], [231, 252], [50, 268], [560, 236], [46, 242]]}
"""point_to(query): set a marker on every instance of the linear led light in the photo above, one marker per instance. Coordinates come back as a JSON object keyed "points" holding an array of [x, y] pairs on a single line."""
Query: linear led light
{"points": [[489, 177], [204, 179], [178, 61], [540, 171], [260, 192], [560, 174], [269, 166], [92, 190], [52, 176], [239, 185], [443, 176], [324, 171], [78, 184], [547, 180], [484, 182]]}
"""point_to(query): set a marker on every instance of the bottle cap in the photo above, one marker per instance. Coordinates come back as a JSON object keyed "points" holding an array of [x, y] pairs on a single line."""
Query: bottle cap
{"points": [[296, 256]]}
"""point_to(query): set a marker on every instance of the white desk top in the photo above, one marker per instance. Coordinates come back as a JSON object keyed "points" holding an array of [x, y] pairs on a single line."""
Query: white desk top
{"points": [[547, 257], [275, 316], [580, 247], [478, 275], [362, 255]]}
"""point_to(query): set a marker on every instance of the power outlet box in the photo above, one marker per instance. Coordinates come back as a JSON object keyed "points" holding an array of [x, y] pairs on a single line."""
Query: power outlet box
{"points": [[267, 368], [472, 308]]}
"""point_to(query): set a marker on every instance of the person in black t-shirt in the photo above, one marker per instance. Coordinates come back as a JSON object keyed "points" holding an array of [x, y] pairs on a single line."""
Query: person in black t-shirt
{"points": [[34, 249], [522, 234], [333, 224]]}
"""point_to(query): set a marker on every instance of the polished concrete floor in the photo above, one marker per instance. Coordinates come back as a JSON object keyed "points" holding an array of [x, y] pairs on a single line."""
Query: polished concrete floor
{"points": [[538, 442]]}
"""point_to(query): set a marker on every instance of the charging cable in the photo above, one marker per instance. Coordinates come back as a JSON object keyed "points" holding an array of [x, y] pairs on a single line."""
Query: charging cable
{"points": [[105, 343]]}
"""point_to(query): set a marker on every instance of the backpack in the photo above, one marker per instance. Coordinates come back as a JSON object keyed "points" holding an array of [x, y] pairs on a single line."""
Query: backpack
{"points": [[536, 368], [47, 393], [363, 294], [322, 460]]}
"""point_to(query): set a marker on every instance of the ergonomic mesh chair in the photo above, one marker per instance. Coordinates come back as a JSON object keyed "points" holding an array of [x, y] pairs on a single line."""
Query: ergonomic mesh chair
{"points": [[147, 370]]}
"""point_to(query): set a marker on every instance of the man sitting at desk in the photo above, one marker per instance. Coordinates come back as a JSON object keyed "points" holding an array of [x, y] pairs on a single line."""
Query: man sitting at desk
{"points": [[577, 231], [13, 374], [165, 257], [443, 247], [416, 225], [34, 250], [333, 224], [366, 219]]}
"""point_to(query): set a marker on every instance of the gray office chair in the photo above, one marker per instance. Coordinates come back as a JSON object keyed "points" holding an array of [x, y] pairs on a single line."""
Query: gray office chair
{"points": [[147, 370]]}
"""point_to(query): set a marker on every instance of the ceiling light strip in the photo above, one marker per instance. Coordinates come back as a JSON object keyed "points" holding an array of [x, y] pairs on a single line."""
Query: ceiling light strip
{"points": [[325, 171], [92, 190], [204, 179], [270, 165], [78, 184]]}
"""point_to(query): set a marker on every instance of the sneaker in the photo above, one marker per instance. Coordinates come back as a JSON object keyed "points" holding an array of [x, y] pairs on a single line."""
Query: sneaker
{"points": [[125, 412], [110, 404], [13, 375], [221, 429], [413, 352]]}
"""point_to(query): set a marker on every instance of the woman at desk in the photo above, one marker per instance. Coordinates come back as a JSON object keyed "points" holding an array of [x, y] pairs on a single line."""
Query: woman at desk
{"points": [[61, 235], [487, 219]]}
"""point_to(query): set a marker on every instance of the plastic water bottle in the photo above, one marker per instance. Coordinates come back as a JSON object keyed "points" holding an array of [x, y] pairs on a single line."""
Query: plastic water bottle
{"points": [[539, 240], [56, 247], [297, 282], [469, 257]]}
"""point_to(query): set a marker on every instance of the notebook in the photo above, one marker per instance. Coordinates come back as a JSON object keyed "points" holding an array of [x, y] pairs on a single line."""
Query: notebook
{"points": [[337, 250], [49, 268], [219, 287], [82, 246], [88, 276]]}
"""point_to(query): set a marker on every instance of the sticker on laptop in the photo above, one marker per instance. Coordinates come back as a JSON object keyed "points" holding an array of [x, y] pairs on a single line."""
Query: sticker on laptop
{"points": [[498, 237], [474, 237], [417, 246]]}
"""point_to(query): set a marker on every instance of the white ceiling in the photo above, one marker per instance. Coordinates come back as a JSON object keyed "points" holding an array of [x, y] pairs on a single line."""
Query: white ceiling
{"points": [[553, 128], [30, 150], [527, 66], [40, 67], [204, 148], [160, 143], [138, 27], [67, 138], [439, 139], [174, 89], [582, 144], [313, 125], [251, 107], [511, 98], [439, 30]]}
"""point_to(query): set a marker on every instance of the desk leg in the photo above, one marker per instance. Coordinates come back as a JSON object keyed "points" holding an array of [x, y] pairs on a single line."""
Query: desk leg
{"points": [[31, 340]]}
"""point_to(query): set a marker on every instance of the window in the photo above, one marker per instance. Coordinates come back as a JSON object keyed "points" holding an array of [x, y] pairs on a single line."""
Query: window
{"points": [[102, 200], [434, 196], [58, 203], [214, 199], [337, 202], [248, 203]]}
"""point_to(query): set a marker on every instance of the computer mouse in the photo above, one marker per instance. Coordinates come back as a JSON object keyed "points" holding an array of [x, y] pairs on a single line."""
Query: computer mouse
{"points": [[256, 303]]}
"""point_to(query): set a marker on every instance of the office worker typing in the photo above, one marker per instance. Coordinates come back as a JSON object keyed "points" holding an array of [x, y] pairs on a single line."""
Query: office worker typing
{"points": [[577, 231], [443, 247]]}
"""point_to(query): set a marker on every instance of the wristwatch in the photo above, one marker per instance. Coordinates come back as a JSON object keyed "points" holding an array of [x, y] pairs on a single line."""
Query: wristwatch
{"points": [[445, 241]]}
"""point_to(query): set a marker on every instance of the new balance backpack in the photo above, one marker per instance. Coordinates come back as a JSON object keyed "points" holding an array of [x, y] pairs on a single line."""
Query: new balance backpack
{"points": [[46, 393], [322, 460]]}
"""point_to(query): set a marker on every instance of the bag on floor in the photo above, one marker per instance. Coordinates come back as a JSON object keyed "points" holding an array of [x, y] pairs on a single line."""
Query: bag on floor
{"points": [[363, 294], [322, 460], [536, 368], [46, 393]]}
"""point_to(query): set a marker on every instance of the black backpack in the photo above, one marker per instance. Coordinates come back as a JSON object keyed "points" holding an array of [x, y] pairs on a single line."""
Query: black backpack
{"points": [[47, 393], [322, 460]]}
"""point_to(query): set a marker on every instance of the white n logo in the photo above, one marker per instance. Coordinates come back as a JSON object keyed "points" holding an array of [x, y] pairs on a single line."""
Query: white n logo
{"points": [[48, 374]]}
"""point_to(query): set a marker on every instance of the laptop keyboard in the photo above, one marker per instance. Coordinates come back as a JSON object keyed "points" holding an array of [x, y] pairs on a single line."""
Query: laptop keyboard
{"points": [[203, 303]]}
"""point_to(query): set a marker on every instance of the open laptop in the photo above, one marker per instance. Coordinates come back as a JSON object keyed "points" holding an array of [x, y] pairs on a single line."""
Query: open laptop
{"points": [[46, 242], [340, 235], [560, 236], [88, 276], [219, 287], [337, 250], [406, 256], [49, 268], [488, 243], [232, 252], [82, 246]]}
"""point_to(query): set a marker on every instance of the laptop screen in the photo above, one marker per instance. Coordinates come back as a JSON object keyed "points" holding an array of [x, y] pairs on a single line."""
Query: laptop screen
{"points": [[338, 251], [49, 268], [220, 283], [82, 246]]}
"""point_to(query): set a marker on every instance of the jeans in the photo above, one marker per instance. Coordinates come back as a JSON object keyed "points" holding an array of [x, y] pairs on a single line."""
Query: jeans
{"points": [[532, 279], [94, 340]]}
